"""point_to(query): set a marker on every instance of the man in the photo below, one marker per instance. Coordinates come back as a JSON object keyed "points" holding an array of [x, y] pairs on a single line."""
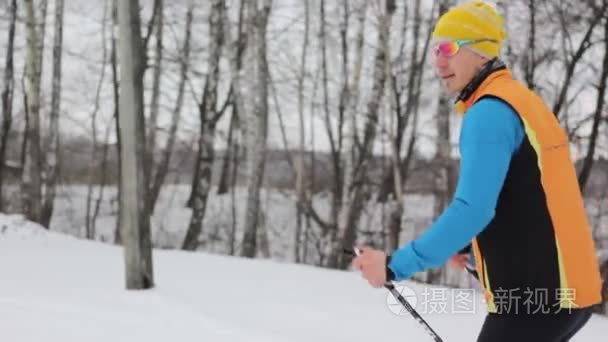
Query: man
{"points": [[517, 201]]}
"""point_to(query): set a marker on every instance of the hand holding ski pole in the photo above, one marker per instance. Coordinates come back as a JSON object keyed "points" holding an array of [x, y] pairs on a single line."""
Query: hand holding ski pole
{"points": [[461, 262], [372, 264]]}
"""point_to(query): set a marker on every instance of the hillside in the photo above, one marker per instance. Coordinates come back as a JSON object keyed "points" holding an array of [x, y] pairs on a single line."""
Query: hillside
{"points": [[56, 288]]}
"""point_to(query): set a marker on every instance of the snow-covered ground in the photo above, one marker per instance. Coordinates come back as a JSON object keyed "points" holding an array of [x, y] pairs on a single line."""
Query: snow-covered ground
{"points": [[55, 287]]}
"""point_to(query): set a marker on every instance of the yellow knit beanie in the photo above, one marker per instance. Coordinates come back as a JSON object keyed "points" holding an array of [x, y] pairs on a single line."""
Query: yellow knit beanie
{"points": [[474, 19]]}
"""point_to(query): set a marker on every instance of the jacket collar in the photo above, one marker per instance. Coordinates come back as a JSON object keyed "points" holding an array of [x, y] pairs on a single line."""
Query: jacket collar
{"points": [[491, 70]]}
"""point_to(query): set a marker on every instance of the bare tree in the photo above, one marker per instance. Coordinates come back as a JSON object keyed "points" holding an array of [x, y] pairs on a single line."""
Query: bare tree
{"points": [[573, 56], [396, 210], [93, 163], [209, 116], [342, 146], [116, 98], [258, 126], [23, 147], [7, 95], [530, 56], [134, 213], [52, 163], [405, 99], [302, 147], [407, 85], [597, 116], [102, 182], [604, 274], [237, 49], [31, 181], [152, 121], [343, 142], [223, 183], [444, 173], [354, 189], [41, 23], [116, 91], [235, 163], [163, 165], [333, 143]]}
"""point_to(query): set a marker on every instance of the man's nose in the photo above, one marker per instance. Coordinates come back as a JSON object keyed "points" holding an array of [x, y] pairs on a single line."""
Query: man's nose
{"points": [[441, 62]]}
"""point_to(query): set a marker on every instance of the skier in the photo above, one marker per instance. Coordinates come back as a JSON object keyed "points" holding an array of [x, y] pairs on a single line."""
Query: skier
{"points": [[517, 199]]}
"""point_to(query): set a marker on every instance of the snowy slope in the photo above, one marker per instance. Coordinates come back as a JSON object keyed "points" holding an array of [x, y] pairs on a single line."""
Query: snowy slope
{"points": [[58, 288]]}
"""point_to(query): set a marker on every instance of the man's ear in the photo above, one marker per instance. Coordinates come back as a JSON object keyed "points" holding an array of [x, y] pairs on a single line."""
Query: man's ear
{"points": [[484, 59]]}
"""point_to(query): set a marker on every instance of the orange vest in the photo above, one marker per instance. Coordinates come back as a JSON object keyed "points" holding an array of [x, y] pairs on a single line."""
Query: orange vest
{"points": [[570, 240]]}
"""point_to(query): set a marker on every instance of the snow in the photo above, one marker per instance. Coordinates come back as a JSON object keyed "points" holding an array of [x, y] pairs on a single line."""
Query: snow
{"points": [[56, 287]]}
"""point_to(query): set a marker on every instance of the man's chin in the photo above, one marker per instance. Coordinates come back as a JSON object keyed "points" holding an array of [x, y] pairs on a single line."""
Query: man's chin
{"points": [[452, 93], [449, 91]]}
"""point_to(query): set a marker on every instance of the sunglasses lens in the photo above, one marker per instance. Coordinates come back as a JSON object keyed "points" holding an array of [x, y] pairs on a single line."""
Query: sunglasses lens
{"points": [[447, 49]]}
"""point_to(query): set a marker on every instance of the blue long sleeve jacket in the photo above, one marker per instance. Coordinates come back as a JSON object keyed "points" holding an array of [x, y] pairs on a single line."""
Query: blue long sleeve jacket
{"points": [[491, 133]]}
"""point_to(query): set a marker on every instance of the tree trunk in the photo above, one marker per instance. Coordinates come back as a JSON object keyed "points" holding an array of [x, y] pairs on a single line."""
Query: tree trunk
{"points": [[23, 150], [156, 80], [93, 165], [41, 34], [163, 165], [597, 116], [7, 96], [302, 147], [53, 144], [262, 238], [195, 179], [337, 183], [206, 154], [224, 182], [235, 165], [209, 116], [135, 219], [258, 123], [604, 276], [31, 182], [237, 48], [116, 92], [102, 182], [530, 56]]}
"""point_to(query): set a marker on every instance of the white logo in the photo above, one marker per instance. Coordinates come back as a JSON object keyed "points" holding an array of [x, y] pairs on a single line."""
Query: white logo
{"points": [[395, 306]]}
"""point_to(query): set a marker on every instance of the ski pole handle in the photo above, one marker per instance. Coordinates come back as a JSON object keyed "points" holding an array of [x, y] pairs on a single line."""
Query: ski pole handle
{"points": [[391, 287]]}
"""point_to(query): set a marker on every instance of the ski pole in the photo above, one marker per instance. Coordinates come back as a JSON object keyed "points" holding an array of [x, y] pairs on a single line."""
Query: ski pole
{"points": [[391, 287], [472, 271]]}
